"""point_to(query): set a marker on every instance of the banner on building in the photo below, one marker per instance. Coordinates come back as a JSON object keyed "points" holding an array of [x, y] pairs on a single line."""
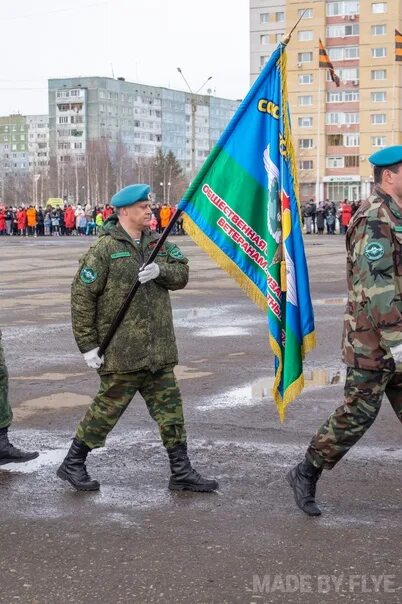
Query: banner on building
{"points": [[398, 45], [324, 61]]}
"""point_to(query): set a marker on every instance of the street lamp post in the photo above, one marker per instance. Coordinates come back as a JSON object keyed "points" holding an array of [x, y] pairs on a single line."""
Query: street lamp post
{"points": [[193, 101], [36, 178], [163, 185]]}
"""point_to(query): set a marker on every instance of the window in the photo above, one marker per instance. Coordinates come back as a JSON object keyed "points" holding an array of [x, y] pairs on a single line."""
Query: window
{"points": [[264, 17], [263, 60], [308, 13], [379, 96], [378, 53], [305, 78], [63, 120], [341, 53], [379, 7], [346, 7], [343, 31], [346, 75], [279, 36], [352, 118], [333, 118], [279, 16], [379, 74], [306, 99], [305, 122], [305, 36], [351, 140], [305, 143], [378, 141], [378, 118], [351, 161], [378, 30], [306, 164], [264, 39], [304, 57], [335, 140], [335, 162], [334, 97], [349, 96]]}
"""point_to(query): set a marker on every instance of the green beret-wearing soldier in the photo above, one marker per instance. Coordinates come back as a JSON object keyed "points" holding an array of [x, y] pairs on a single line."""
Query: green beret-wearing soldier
{"points": [[372, 338], [142, 352], [8, 453]]}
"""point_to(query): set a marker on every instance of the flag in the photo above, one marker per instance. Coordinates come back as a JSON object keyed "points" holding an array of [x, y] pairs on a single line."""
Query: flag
{"points": [[325, 62], [242, 208], [398, 45]]}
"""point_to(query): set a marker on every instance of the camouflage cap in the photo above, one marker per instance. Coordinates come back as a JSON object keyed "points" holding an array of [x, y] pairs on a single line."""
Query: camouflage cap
{"points": [[131, 195], [387, 156]]}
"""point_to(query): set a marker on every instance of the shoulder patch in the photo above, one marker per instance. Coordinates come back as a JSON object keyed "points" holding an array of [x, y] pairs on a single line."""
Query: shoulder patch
{"points": [[374, 250], [88, 275], [398, 229], [120, 255], [174, 251]]}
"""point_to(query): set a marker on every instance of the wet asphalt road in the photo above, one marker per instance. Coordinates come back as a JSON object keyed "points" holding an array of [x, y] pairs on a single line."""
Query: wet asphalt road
{"points": [[134, 541]]}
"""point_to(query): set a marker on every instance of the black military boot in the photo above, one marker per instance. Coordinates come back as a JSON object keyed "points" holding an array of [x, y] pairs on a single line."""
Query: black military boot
{"points": [[303, 480], [74, 470], [10, 454], [184, 478]]}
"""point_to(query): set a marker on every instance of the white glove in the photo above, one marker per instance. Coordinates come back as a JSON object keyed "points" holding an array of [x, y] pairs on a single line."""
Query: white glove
{"points": [[149, 272], [396, 352], [92, 359]]}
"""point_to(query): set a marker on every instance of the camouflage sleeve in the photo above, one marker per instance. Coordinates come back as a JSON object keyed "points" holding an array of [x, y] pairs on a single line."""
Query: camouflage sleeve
{"points": [[87, 286], [174, 272], [374, 277]]}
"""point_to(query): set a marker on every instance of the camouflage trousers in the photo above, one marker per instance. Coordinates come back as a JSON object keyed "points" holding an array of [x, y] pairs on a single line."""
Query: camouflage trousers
{"points": [[6, 415], [364, 391], [162, 397]]}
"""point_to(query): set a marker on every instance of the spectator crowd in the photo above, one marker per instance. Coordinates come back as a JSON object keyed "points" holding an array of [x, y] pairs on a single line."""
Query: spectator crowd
{"points": [[327, 217], [72, 220]]}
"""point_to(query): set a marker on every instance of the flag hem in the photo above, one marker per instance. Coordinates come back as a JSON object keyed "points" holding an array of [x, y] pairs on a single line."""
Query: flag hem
{"points": [[224, 262]]}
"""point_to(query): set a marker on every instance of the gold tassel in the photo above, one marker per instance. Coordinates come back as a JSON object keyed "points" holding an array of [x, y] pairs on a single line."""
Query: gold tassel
{"points": [[283, 276]]}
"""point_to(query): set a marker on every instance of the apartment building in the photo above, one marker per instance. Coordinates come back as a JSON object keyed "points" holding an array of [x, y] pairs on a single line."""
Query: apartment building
{"points": [[334, 128], [144, 118], [38, 143], [13, 145]]}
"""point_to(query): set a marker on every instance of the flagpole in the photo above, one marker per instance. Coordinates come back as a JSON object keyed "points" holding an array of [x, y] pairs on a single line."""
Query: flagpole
{"points": [[136, 284], [317, 181], [393, 102]]}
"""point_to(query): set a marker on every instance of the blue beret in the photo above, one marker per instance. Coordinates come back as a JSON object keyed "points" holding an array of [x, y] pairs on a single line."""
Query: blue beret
{"points": [[387, 156], [130, 195]]}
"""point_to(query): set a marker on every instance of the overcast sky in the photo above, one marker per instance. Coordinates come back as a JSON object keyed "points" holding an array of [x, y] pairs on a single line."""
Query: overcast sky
{"points": [[142, 40]]}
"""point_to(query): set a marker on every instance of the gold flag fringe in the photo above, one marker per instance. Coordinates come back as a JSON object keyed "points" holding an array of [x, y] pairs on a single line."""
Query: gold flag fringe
{"points": [[224, 262]]}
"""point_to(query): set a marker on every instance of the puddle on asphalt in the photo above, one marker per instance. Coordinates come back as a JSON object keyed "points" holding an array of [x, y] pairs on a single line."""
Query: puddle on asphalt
{"points": [[46, 458], [187, 373], [250, 395], [329, 301], [49, 377], [217, 332], [66, 400]]}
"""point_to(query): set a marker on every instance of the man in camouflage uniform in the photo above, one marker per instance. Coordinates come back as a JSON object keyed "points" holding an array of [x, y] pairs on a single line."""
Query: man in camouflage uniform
{"points": [[143, 352], [8, 453], [372, 338]]}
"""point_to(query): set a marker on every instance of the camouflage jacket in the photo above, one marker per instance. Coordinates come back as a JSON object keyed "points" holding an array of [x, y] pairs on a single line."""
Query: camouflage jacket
{"points": [[145, 338], [373, 317]]}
